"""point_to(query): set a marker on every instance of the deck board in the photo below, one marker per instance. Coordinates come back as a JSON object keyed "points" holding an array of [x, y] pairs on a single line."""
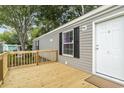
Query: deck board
{"points": [[51, 75]]}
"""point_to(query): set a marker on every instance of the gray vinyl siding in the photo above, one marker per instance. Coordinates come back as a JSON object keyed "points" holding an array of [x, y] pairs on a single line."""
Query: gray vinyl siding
{"points": [[85, 60]]}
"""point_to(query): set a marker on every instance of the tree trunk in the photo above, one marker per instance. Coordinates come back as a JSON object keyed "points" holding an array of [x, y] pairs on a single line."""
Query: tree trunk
{"points": [[22, 40], [23, 46], [22, 43], [82, 9]]}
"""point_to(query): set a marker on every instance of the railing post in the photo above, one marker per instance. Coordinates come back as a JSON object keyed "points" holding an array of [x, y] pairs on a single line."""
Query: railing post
{"points": [[56, 55], [37, 58], [3, 66], [1, 70]]}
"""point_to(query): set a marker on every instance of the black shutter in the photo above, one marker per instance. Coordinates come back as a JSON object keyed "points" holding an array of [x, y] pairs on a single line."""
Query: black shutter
{"points": [[60, 43], [35, 45], [38, 44], [77, 42]]}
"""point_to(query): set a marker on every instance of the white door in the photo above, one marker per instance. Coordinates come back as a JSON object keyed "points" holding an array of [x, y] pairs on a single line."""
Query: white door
{"points": [[110, 48]]}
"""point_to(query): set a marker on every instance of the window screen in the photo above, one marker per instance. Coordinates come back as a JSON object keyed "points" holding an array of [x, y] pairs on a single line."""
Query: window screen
{"points": [[68, 43]]}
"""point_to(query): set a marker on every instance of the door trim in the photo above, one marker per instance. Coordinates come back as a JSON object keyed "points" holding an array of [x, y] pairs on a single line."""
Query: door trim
{"points": [[94, 45]]}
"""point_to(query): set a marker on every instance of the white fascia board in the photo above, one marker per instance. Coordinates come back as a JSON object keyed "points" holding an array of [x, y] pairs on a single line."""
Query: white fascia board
{"points": [[78, 19]]}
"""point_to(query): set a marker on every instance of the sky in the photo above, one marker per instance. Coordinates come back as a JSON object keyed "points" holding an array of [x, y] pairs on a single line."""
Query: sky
{"points": [[2, 30]]}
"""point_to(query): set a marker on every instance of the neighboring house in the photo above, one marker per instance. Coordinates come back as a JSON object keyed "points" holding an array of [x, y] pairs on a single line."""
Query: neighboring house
{"points": [[93, 42], [9, 47]]}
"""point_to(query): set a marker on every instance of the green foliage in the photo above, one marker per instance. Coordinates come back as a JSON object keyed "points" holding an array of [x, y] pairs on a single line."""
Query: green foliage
{"points": [[46, 18], [52, 17], [35, 32], [20, 18], [9, 37], [88, 8]]}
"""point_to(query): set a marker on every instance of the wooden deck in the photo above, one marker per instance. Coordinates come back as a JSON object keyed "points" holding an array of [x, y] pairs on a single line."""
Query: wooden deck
{"points": [[55, 75]]}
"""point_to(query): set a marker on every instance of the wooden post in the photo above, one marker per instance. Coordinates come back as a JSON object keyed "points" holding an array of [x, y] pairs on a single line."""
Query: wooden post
{"points": [[8, 60], [1, 69], [24, 58], [15, 59], [3, 66], [12, 60], [37, 58], [56, 55]]}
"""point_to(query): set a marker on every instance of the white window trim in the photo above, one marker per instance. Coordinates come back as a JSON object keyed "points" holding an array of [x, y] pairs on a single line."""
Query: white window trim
{"points": [[94, 45], [68, 55]]}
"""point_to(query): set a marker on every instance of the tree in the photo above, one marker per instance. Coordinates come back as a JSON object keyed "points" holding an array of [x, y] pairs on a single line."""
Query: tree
{"points": [[88, 8], [52, 17], [47, 18], [20, 18], [10, 37], [34, 33]]}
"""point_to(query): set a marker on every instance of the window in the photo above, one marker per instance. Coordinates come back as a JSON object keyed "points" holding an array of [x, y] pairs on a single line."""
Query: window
{"points": [[37, 45], [68, 43]]}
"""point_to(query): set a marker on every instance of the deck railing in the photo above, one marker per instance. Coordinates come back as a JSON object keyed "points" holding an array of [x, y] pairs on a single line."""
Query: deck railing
{"points": [[19, 58], [31, 57], [3, 66]]}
